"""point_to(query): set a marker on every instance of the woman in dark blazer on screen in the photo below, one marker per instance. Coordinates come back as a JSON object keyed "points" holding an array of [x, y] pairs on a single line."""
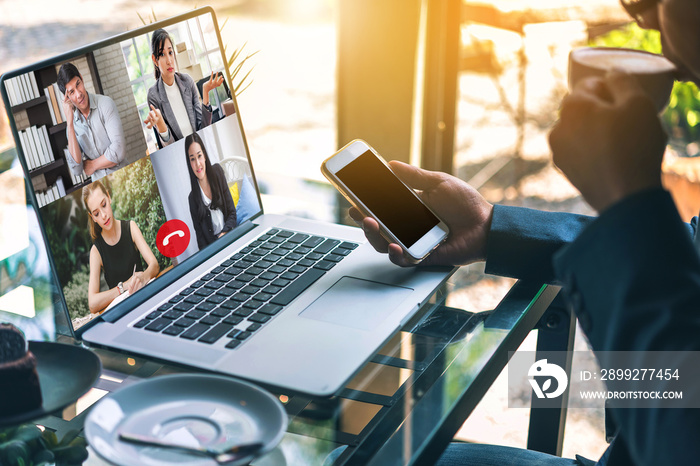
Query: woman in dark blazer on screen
{"points": [[211, 205]]}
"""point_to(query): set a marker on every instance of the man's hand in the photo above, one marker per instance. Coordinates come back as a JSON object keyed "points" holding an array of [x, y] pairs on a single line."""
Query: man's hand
{"points": [[68, 109], [89, 167], [155, 118], [214, 82], [466, 213], [609, 141]]}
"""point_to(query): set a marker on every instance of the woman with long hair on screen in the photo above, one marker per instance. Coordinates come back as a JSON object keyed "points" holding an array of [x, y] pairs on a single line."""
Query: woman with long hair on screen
{"points": [[174, 106], [117, 249], [211, 204]]}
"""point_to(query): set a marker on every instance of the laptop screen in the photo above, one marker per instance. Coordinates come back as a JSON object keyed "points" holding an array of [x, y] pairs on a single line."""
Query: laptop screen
{"points": [[136, 157]]}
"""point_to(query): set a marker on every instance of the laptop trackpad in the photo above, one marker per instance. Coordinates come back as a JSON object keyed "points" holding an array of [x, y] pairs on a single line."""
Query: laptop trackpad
{"points": [[357, 303]]}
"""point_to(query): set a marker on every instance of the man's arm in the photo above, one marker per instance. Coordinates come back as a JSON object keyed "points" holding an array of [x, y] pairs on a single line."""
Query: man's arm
{"points": [[114, 153], [75, 161]]}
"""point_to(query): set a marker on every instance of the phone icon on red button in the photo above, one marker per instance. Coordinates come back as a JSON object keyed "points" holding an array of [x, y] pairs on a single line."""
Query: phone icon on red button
{"points": [[173, 238]]}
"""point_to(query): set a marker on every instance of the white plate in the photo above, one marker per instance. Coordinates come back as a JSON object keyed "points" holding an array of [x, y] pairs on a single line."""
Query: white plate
{"points": [[190, 409]]}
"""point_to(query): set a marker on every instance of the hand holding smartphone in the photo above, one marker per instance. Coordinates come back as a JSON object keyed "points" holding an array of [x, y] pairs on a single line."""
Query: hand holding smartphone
{"points": [[367, 182]]}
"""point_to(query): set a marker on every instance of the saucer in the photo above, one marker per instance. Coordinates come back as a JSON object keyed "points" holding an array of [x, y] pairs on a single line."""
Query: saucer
{"points": [[189, 409], [66, 372]]}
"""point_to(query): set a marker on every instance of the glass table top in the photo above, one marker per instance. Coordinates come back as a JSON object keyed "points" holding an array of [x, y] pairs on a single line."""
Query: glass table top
{"points": [[402, 407]]}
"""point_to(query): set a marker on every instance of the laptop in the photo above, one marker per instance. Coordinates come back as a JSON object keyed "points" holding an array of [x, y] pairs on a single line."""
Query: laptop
{"points": [[155, 228]]}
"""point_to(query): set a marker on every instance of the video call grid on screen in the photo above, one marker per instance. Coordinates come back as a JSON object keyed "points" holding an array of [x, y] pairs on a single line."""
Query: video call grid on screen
{"points": [[151, 184]]}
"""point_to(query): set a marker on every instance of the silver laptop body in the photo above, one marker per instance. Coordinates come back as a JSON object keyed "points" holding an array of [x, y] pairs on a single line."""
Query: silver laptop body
{"points": [[317, 342]]}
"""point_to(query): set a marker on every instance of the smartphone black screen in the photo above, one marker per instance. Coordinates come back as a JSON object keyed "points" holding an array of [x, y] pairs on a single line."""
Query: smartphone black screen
{"points": [[387, 198]]}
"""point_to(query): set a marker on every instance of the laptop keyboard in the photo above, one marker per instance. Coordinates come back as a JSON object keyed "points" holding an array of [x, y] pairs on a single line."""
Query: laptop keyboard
{"points": [[242, 294]]}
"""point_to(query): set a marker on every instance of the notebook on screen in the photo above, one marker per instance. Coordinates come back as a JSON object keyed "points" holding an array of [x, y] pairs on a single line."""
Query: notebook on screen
{"points": [[151, 212]]}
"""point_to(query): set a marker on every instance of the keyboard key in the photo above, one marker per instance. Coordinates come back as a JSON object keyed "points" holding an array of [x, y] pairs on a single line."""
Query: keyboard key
{"points": [[198, 283], [287, 246], [297, 238], [268, 276], [204, 291], [173, 330], [276, 240], [259, 318], [194, 299], [195, 314], [314, 256], [245, 277], [184, 322], [228, 263], [341, 251], [296, 269], [208, 277], [210, 320], [176, 299], [233, 344], [305, 263], [294, 256], [253, 327], [285, 262], [347, 245], [272, 258], [277, 269], [233, 333], [268, 246], [289, 275], [142, 323], [215, 333], [195, 331], [220, 312], [250, 289], [153, 315], [233, 320], [184, 306], [285, 233], [242, 312], [213, 285], [262, 297], [264, 264], [230, 304], [165, 307], [304, 281], [234, 270], [260, 282], [271, 289], [216, 299], [218, 269], [172, 315], [187, 291], [326, 246], [252, 304], [243, 335], [224, 278], [281, 282], [334, 258], [259, 252], [303, 250], [313, 241], [205, 307], [158, 324], [235, 285], [255, 270], [270, 309], [240, 297], [238, 256], [225, 292], [324, 265]]}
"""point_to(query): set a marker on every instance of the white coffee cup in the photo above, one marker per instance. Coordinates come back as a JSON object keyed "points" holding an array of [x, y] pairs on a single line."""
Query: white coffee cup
{"points": [[655, 73]]}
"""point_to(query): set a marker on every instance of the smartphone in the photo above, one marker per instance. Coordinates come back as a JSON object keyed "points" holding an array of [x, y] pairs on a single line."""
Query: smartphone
{"points": [[367, 182]]}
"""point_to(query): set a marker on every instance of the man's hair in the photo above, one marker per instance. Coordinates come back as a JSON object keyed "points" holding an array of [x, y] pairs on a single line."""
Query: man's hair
{"points": [[66, 73]]}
